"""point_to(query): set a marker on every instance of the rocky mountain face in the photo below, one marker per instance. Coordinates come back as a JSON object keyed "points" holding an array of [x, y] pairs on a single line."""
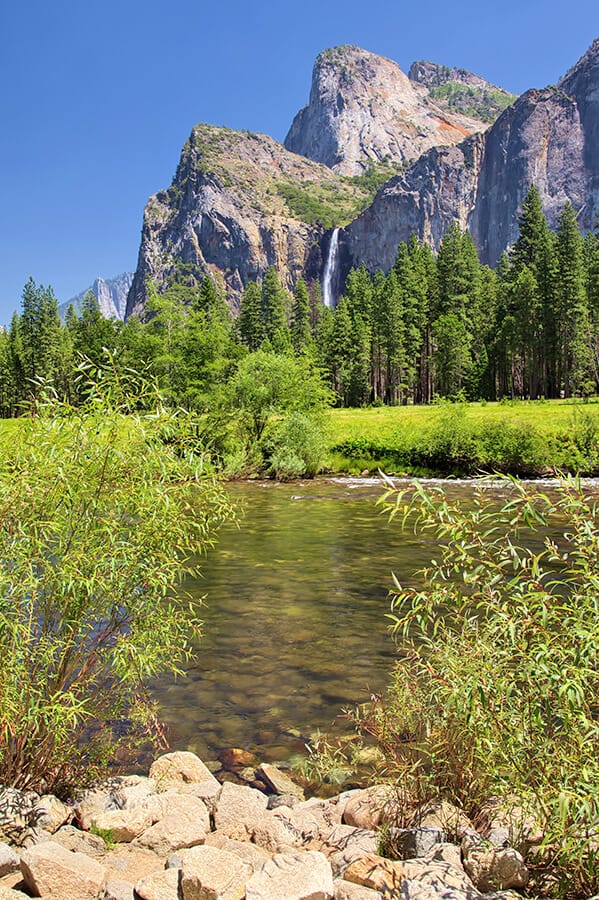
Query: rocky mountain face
{"points": [[239, 203], [111, 294], [461, 91], [549, 137], [364, 110]]}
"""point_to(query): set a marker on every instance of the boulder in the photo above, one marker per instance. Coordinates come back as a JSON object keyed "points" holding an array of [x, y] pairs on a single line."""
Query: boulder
{"points": [[279, 781], [50, 813], [345, 890], [90, 804], [185, 824], [292, 876], [7, 893], [15, 811], [50, 871], [78, 841], [429, 879], [208, 873], [116, 889], [122, 825], [249, 853], [372, 807], [345, 844], [179, 768], [442, 815], [239, 810], [159, 886], [492, 868], [9, 860]]}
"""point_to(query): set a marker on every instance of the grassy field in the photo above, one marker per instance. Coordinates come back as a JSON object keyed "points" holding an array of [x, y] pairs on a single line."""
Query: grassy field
{"points": [[521, 437]]}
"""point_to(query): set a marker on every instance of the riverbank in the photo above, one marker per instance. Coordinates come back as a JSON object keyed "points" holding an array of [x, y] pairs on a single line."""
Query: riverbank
{"points": [[522, 438], [180, 834]]}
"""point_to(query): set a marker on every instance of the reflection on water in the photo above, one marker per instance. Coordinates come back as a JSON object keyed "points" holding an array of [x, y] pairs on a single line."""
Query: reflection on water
{"points": [[294, 617]]}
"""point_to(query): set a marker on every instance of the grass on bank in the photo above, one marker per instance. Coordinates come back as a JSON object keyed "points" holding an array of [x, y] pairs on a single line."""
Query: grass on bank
{"points": [[525, 438]]}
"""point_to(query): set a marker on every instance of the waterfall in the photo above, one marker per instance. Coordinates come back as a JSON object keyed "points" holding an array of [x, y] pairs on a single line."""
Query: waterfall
{"points": [[329, 270]]}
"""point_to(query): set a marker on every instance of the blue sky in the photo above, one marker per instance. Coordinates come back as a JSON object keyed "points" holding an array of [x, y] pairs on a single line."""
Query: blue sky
{"points": [[98, 98]]}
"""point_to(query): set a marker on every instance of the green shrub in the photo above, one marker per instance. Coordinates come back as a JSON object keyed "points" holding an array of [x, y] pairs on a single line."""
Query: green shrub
{"points": [[295, 447], [495, 691], [101, 515]]}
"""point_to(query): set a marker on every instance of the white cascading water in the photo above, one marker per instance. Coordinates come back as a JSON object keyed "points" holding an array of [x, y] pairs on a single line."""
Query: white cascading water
{"points": [[329, 270]]}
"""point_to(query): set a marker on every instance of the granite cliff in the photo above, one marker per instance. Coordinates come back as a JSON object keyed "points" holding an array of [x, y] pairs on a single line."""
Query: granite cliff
{"points": [[549, 137], [111, 294], [241, 202], [364, 110]]}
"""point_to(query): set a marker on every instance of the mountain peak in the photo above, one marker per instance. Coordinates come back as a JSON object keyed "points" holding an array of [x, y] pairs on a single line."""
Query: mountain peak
{"points": [[364, 111]]}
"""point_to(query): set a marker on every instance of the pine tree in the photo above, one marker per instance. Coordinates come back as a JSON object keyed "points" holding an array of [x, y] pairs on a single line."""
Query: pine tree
{"points": [[577, 362], [301, 331], [250, 323], [274, 313], [39, 334]]}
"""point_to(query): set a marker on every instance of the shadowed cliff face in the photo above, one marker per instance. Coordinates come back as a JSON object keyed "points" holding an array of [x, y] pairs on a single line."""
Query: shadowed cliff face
{"points": [[364, 110], [235, 207], [549, 137]]}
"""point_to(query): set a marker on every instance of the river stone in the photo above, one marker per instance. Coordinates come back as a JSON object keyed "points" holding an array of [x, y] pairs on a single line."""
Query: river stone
{"points": [[504, 821], [179, 768], [132, 791], [492, 868], [51, 871], [235, 757], [292, 876], [50, 813], [371, 807], [90, 804], [159, 886], [212, 874], [122, 825], [78, 841], [238, 810], [345, 843], [411, 843], [9, 860], [300, 822], [279, 781], [185, 824], [442, 815], [116, 889], [7, 893], [249, 853], [345, 890], [15, 811]]}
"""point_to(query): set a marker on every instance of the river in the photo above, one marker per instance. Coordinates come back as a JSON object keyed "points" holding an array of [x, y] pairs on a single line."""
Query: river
{"points": [[294, 616]]}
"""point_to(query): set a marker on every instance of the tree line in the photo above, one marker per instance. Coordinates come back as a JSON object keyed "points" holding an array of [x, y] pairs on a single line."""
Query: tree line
{"points": [[434, 326]]}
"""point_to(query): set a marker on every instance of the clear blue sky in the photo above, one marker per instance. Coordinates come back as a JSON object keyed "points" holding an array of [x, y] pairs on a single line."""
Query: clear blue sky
{"points": [[97, 99]]}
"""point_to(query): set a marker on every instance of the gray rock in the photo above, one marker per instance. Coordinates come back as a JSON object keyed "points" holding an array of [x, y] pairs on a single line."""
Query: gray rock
{"points": [[292, 876], [492, 868], [50, 813], [372, 806], [410, 843], [248, 852]]}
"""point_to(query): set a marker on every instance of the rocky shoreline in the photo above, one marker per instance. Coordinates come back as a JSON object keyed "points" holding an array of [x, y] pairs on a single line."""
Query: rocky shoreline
{"points": [[180, 834]]}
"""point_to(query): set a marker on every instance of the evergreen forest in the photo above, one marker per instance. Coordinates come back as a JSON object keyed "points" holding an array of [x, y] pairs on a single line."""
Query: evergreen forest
{"points": [[436, 326]]}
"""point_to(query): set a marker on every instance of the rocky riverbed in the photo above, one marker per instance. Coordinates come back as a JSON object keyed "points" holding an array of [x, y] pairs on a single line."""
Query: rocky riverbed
{"points": [[180, 834]]}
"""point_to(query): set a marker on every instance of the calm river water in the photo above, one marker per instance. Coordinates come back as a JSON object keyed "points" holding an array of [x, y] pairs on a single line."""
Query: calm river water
{"points": [[294, 617]]}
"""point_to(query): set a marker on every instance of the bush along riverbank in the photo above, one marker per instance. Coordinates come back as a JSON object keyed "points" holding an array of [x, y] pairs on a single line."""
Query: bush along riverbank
{"points": [[180, 834], [526, 439]]}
